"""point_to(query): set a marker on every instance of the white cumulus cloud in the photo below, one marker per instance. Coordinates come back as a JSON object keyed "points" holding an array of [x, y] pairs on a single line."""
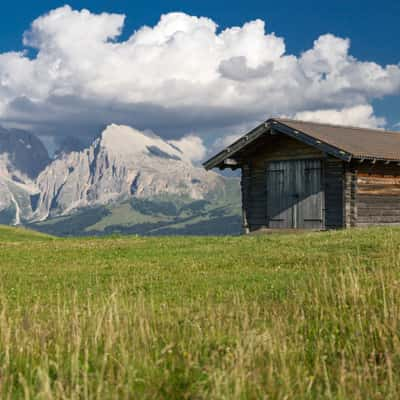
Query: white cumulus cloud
{"points": [[179, 76], [225, 141], [362, 116], [191, 146]]}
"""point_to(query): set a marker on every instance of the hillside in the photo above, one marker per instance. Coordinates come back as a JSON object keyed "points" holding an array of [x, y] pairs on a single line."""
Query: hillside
{"points": [[19, 234], [285, 316]]}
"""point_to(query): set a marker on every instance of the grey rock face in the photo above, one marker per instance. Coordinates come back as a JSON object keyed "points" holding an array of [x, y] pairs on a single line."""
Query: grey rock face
{"points": [[22, 157], [122, 163]]}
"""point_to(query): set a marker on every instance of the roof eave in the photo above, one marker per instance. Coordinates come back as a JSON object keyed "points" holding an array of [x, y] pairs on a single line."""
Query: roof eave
{"points": [[362, 157]]}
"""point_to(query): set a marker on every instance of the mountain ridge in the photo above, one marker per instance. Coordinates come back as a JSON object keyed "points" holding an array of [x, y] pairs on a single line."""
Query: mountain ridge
{"points": [[120, 169]]}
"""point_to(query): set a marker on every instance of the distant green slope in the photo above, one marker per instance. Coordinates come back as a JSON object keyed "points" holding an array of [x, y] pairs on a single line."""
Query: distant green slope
{"points": [[12, 234]]}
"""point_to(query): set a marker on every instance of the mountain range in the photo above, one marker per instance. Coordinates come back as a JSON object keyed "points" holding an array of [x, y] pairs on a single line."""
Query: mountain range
{"points": [[126, 181]]}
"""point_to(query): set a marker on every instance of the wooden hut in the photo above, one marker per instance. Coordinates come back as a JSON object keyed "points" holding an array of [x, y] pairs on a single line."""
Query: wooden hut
{"points": [[303, 175]]}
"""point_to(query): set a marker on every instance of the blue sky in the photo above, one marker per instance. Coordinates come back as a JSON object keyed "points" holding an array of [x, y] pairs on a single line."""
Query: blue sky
{"points": [[372, 27]]}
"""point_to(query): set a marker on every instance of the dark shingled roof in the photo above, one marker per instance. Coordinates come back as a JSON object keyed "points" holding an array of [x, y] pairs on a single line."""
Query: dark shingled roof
{"points": [[341, 141], [359, 142]]}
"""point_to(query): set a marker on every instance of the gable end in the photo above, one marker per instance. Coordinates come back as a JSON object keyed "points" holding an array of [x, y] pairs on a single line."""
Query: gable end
{"points": [[226, 158], [311, 141]]}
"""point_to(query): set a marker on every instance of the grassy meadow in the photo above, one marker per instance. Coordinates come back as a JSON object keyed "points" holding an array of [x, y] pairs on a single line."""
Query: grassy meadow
{"points": [[283, 316]]}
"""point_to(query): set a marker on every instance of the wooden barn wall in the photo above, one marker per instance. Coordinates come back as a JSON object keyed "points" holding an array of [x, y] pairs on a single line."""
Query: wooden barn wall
{"points": [[378, 194], [334, 193], [245, 187], [254, 176], [349, 196], [254, 198], [282, 147]]}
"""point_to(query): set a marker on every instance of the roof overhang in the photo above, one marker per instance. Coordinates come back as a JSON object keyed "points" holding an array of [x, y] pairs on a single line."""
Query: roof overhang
{"points": [[226, 158]]}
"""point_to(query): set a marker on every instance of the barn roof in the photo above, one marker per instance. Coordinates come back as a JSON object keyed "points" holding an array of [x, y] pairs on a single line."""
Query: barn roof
{"points": [[343, 142]]}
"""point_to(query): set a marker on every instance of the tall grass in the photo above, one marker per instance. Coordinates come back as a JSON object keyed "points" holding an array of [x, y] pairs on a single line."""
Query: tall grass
{"points": [[333, 333], [338, 338]]}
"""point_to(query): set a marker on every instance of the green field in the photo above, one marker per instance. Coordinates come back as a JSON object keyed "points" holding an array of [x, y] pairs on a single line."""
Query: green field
{"points": [[305, 316]]}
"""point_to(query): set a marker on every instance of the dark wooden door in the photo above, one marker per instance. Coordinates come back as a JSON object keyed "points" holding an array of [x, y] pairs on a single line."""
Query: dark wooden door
{"points": [[279, 195], [295, 195]]}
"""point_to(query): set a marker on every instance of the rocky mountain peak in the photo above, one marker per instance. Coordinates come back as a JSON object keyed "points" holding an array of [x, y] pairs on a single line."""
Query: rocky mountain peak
{"points": [[122, 163], [122, 166], [124, 141]]}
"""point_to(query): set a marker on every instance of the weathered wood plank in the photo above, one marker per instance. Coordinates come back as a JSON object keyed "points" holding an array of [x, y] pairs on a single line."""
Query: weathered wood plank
{"points": [[369, 212], [334, 196], [379, 219], [378, 194]]}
